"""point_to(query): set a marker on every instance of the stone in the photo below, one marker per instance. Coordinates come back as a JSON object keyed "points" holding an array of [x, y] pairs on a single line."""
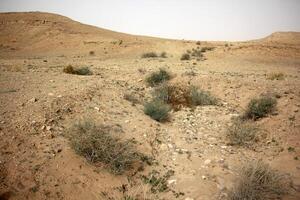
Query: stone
{"points": [[173, 181], [32, 100], [207, 162]]}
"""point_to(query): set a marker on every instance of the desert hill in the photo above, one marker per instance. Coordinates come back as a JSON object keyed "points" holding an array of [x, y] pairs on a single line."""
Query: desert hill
{"points": [[56, 72]]}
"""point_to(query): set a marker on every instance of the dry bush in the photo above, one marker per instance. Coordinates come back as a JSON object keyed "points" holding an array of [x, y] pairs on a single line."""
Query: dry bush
{"points": [[175, 95], [157, 110], [179, 96], [198, 43], [242, 133], [276, 76], [159, 77], [261, 107], [98, 145], [163, 55], [205, 49], [201, 98], [185, 56], [257, 181], [150, 55], [92, 53], [131, 98], [78, 71]]}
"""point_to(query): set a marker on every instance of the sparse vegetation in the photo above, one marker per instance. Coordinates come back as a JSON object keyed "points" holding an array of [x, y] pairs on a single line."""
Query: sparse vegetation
{"points": [[158, 77], [200, 98], [98, 145], [275, 76], [242, 133], [261, 107], [157, 110], [181, 95], [78, 71], [185, 56], [205, 49], [174, 95], [158, 182], [163, 55], [198, 43], [257, 181], [131, 98], [150, 55], [92, 53]]}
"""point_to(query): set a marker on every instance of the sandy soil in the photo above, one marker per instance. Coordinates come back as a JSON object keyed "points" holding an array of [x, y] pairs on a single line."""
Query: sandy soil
{"points": [[39, 102]]}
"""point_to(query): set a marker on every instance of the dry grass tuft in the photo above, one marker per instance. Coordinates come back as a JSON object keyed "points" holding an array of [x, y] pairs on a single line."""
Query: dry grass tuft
{"points": [[258, 181], [185, 56], [276, 76], [150, 55], [242, 133], [78, 71], [179, 96], [98, 145]]}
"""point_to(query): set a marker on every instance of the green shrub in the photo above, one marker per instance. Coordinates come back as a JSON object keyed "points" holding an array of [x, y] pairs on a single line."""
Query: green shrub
{"points": [[158, 77], [185, 56], [78, 71], [157, 110], [149, 55], [201, 98], [257, 181], [242, 133], [97, 144], [258, 108]]}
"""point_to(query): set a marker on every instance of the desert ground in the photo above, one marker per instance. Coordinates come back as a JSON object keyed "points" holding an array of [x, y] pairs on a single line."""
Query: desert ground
{"points": [[39, 104]]}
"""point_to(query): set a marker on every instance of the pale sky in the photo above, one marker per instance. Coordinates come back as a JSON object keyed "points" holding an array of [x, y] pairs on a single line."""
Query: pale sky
{"points": [[178, 19]]}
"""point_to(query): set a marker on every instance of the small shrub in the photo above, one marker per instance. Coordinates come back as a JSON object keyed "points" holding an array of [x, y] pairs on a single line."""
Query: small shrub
{"points": [[201, 98], [157, 110], [175, 95], [92, 53], [257, 181], [185, 56], [158, 182], [79, 71], [131, 98], [163, 55], [197, 53], [198, 43], [149, 55], [97, 144], [276, 76], [158, 77], [242, 133], [179, 96], [258, 108], [205, 49]]}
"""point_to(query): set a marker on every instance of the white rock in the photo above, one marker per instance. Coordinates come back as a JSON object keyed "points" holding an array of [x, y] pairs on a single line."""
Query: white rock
{"points": [[207, 162], [32, 100], [173, 181], [188, 198], [96, 108]]}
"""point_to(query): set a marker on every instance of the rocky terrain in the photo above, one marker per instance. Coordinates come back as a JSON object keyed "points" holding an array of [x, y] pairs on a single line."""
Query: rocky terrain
{"points": [[39, 102]]}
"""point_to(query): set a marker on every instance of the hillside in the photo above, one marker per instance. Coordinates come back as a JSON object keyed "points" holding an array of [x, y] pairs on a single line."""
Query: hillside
{"points": [[189, 156]]}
